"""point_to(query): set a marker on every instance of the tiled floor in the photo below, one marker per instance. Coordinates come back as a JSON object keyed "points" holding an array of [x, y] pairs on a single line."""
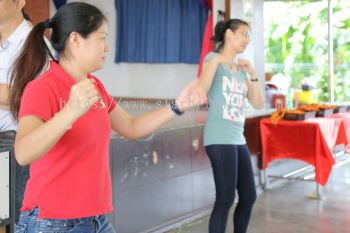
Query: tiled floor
{"points": [[288, 209]]}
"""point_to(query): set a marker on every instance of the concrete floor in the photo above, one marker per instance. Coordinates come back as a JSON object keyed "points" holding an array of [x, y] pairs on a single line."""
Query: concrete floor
{"points": [[288, 209]]}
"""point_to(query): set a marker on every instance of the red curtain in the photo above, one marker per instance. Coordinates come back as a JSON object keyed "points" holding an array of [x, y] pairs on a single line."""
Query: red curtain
{"points": [[207, 45]]}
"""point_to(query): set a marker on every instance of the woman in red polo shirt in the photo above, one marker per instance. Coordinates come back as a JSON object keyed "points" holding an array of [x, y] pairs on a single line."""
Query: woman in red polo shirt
{"points": [[65, 116]]}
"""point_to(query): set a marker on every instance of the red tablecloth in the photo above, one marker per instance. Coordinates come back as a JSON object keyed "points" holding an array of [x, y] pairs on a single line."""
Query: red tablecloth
{"points": [[311, 140], [345, 117]]}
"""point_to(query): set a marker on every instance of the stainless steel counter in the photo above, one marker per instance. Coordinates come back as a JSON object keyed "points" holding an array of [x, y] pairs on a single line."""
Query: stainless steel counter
{"points": [[166, 177]]}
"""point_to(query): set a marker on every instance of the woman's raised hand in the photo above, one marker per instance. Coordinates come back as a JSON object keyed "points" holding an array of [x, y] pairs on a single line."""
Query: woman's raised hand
{"points": [[192, 95], [82, 96]]}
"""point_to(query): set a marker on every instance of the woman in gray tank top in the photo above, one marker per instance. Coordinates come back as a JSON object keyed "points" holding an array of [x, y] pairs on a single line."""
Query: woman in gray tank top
{"points": [[228, 85]]}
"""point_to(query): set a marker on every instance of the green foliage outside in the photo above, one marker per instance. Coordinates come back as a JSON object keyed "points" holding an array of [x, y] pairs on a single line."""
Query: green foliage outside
{"points": [[296, 44]]}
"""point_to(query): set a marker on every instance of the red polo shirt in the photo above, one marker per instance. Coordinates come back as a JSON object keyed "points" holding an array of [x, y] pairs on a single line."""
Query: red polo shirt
{"points": [[73, 179]]}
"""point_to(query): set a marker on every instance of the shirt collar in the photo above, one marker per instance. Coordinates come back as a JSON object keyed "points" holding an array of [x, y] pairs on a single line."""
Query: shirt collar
{"points": [[62, 75], [20, 33]]}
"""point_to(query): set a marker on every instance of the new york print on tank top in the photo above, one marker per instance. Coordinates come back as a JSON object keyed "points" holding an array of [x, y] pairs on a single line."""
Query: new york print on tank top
{"points": [[226, 97]]}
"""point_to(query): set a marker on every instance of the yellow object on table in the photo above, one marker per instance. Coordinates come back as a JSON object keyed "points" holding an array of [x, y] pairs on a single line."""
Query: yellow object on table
{"points": [[305, 97]]}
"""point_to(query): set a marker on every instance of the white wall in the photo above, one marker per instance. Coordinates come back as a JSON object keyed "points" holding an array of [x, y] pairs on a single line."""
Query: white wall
{"points": [[252, 11], [258, 39], [217, 5], [236, 9], [139, 79]]}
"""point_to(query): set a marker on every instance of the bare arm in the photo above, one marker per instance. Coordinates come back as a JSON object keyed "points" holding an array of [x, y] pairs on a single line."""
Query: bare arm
{"points": [[208, 73], [254, 94], [136, 127], [44, 135]]}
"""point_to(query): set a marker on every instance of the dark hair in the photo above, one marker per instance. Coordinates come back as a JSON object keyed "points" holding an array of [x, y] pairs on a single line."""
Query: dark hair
{"points": [[77, 17], [220, 31]]}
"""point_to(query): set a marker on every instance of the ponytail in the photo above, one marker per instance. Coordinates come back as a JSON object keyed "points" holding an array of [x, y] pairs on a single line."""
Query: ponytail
{"points": [[32, 60], [219, 35], [77, 17]]}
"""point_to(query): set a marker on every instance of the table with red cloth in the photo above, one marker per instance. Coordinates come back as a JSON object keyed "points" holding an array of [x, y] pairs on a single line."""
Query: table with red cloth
{"points": [[311, 140], [346, 125]]}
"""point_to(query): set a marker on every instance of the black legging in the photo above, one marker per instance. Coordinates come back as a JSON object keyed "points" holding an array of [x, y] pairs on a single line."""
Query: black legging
{"points": [[232, 169]]}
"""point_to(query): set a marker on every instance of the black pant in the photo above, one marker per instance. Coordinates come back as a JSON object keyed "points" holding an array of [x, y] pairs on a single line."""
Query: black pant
{"points": [[232, 170]]}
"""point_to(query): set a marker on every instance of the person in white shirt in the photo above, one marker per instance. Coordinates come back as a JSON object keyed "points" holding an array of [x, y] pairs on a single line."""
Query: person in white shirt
{"points": [[14, 29]]}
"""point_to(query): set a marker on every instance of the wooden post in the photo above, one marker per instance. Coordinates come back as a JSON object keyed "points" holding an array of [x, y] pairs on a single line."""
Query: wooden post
{"points": [[227, 9], [38, 10]]}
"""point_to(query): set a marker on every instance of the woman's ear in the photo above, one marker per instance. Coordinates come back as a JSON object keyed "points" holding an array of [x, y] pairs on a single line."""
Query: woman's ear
{"points": [[228, 34], [74, 40], [20, 4]]}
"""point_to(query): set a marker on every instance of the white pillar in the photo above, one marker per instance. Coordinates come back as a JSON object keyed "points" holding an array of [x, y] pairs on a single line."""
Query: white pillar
{"points": [[330, 52]]}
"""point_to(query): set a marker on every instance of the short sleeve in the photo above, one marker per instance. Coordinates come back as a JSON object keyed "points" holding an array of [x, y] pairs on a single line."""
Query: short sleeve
{"points": [[37, 100], [110, 102]]}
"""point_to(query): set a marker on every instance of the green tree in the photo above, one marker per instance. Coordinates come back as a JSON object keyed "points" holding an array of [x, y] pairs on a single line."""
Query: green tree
{"points": [[297, 44]]}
